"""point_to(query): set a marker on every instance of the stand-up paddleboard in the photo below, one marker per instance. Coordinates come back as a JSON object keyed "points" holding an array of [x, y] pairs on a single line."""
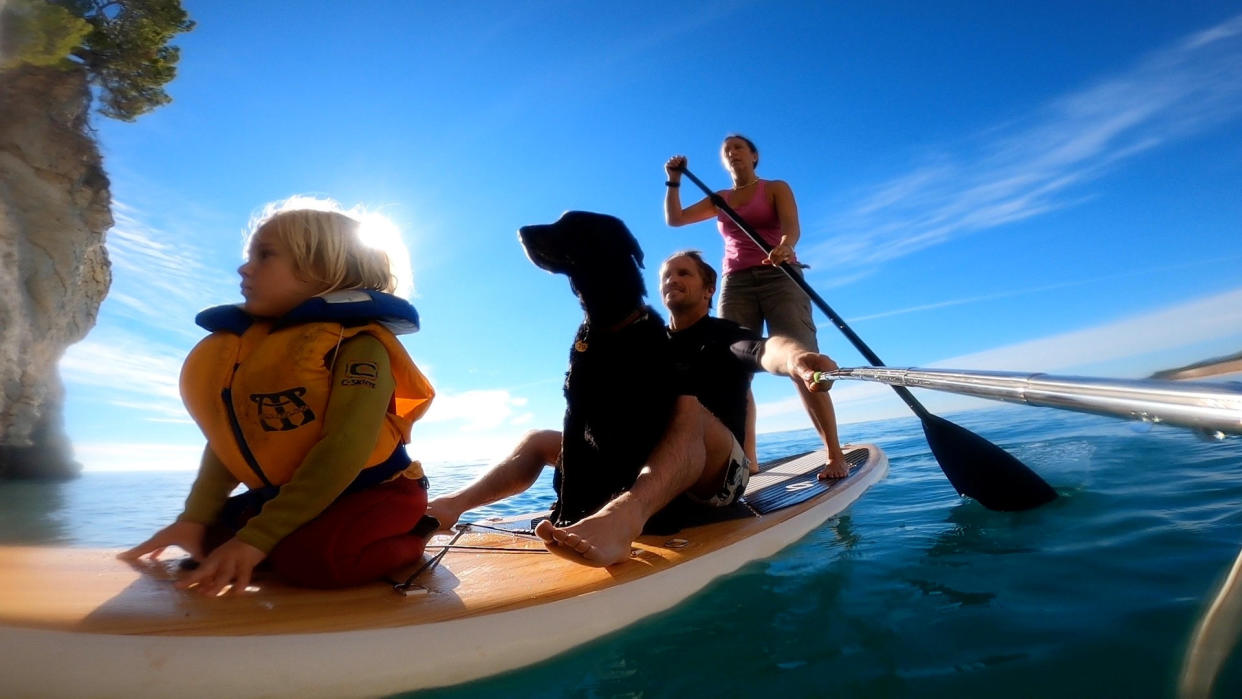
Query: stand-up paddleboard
{"points": [[79, 622]]}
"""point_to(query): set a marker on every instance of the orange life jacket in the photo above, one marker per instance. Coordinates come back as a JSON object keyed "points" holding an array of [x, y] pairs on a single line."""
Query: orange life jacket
{"points": [[258, 388]]}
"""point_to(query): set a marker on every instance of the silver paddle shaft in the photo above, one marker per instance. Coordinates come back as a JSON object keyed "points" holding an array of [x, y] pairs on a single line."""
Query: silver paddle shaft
{"points": [[1210, 407]]}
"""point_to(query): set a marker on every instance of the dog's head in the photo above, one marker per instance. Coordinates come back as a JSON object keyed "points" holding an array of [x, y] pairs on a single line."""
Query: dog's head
{"points": [[598, 254]]}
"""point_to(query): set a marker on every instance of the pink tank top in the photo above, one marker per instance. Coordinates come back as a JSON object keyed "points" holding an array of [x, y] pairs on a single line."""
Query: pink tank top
{"points": [[740, 252]]}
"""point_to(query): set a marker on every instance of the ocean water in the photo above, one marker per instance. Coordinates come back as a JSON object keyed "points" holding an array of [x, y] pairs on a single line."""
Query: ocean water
{"points": [[911, 592]]}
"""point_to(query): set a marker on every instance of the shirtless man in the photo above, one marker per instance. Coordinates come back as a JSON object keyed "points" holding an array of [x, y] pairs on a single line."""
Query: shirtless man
{"points": [[699, 456]]}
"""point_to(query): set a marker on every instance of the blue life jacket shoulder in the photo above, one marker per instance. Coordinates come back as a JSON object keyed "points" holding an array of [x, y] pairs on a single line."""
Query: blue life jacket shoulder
{"points": [[350, 308]]}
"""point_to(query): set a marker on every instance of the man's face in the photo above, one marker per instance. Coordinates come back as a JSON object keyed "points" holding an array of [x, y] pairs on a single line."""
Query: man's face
{"points": [[681, 286]]}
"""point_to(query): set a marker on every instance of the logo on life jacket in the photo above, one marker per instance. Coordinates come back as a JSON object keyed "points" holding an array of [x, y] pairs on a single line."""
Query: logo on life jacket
{"points": [[284, 411], [361, 374]]}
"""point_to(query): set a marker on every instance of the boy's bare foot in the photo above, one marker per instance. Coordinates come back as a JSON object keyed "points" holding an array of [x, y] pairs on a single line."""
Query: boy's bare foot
{"points": [[602, 539], [836, 467]]}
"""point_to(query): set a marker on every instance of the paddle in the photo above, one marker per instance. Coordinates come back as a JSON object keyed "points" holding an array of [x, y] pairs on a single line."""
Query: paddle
{"points": [[976, 467]]}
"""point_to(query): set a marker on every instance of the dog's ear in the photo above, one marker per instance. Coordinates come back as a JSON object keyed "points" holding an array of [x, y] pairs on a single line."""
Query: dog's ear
{"points": [[630, 243], [635, 250]]}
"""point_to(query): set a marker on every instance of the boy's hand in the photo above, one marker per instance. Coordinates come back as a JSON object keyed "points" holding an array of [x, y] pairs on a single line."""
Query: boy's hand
{"points": [[231, 564], [186, 535]]}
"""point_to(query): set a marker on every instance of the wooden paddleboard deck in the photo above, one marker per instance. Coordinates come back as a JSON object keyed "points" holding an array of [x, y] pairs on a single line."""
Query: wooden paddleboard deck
{"points": [[79, 622]]}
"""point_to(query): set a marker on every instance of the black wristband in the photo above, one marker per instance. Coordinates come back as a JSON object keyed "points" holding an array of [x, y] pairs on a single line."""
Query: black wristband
{"points": [[670, 183]]}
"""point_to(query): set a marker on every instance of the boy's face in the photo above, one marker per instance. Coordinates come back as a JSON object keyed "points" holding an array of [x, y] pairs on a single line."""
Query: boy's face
{"points": [[681, 286], [270, 285]]}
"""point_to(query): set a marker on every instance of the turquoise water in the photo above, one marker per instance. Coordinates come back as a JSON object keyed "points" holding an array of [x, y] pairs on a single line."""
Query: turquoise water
{"points": [[912, 592]]}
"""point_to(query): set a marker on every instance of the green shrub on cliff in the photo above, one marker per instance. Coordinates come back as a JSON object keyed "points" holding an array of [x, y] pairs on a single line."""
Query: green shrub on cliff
{"points": [[122, 44]]}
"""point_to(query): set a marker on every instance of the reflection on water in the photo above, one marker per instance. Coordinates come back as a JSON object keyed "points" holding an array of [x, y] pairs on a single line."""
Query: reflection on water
{"points": [[912, 592], [34, 512]]}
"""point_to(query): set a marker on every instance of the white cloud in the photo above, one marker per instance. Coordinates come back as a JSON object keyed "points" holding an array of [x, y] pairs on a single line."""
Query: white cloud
{"points": [[1022, 170], [1130, 347], [137, 456], [128, 369], [476, 411], [1184, 325]]}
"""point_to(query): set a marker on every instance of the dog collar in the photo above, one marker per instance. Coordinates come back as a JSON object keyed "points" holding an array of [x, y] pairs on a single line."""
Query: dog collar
{"points": [[640, 314]]}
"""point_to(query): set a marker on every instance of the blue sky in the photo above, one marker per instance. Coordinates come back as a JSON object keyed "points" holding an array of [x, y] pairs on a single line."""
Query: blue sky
{"points": [[1045, 187]]}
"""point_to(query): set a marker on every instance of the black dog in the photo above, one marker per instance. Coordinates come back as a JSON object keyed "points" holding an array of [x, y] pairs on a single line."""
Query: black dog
{"points": [[620, 388]]}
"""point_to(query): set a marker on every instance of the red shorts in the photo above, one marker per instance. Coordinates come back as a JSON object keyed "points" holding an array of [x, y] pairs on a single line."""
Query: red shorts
{"points": [[358, 539]]}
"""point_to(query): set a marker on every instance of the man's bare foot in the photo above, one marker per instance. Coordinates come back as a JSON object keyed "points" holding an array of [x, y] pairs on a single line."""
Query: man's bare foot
{"points": [[599, 540], [836, 467]]}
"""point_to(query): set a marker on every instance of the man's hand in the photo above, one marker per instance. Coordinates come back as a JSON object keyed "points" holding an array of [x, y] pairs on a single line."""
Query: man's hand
{"points": [[804, 365]]}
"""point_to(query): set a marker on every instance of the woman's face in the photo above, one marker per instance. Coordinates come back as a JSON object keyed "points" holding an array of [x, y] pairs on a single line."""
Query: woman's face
{"points": [[737, 156]]}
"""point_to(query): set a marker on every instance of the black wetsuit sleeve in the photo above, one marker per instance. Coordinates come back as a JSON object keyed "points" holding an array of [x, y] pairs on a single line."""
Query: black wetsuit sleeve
{"points": [[748, 352]]}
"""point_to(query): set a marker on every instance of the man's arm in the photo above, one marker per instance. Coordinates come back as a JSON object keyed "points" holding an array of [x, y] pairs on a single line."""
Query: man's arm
{"points": [[784, 356], [514, 474]]}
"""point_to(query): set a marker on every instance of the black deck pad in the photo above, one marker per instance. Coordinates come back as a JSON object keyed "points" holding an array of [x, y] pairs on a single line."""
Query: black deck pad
{"points": [[779, 484]]}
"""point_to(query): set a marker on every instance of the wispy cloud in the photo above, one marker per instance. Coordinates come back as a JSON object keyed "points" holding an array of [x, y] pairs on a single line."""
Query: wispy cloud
{"points": [[157, 275], [1133, 272], [1146, 342], [118, 365], [1041, 164], [1185, 325], [146, 324]]}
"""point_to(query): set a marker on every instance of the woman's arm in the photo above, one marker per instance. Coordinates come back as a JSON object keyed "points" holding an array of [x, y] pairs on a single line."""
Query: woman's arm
{"points": [[674, 214], [787, 214]]}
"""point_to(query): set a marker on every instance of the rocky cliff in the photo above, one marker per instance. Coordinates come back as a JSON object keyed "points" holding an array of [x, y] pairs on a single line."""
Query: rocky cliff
{"points": [[55, 207]]}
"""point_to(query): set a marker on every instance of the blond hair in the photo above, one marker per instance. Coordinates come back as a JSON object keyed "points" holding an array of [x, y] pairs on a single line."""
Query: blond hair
{"points": [[327, 245]]}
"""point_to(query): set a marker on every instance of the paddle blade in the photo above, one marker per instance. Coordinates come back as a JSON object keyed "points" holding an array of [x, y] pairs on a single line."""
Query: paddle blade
{"points": [[979, 469]]}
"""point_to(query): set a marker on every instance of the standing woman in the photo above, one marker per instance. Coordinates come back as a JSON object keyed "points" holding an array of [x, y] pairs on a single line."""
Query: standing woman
{"points": [[753, 289]]}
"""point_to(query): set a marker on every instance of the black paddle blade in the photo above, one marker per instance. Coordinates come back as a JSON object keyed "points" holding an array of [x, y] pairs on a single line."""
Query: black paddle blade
{"points": [[979, 469]]}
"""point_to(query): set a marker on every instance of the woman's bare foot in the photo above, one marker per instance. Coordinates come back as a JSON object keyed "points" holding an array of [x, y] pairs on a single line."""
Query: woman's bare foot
{"points": [[836, 466]]}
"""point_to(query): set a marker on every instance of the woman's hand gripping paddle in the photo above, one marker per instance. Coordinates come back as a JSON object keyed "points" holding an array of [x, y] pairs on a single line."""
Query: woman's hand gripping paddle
{"points": [[976, 467]]}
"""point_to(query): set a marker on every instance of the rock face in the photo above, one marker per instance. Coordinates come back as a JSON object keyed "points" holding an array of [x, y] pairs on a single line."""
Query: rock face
{"points": [[55, 207]]}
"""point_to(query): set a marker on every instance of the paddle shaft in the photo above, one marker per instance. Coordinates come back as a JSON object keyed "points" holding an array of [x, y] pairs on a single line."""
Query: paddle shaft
{"points": [[719, 202], [1209, 407]]}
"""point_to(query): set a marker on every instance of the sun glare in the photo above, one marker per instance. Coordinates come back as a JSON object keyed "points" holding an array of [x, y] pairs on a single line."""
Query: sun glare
{"points": [[379, 232], [376, 231]]}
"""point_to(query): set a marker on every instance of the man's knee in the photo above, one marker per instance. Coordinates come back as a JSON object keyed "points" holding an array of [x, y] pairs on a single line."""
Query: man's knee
{"points": [[690, 412], [544, 445], [689, 408]]}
